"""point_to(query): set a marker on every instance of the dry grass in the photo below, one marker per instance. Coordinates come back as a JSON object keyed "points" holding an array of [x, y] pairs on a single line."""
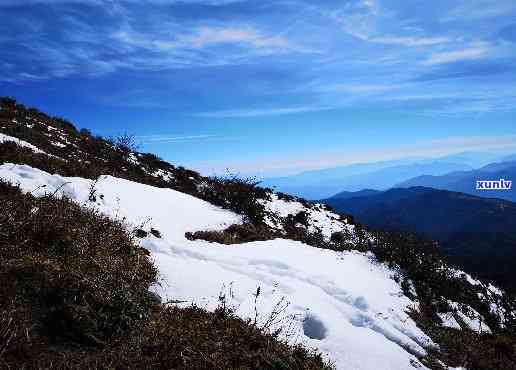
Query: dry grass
{"points": [[74, 294]]}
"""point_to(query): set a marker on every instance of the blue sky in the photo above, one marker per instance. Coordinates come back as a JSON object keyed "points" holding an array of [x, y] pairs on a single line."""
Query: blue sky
{"points": [[270, 87]]}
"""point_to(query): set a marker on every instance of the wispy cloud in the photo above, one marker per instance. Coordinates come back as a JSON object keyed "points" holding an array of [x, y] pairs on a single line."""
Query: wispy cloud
{"points": [[475, 51], [454, 103], [357, 88], [166, 139], [475, 107], [480, 9], [207, 36], [120, 40], [362, 21], [409, 41], [203, 37], [259, 112]]}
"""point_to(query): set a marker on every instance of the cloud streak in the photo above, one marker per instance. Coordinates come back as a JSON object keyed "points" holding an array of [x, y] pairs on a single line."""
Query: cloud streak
{"points": [[122, 41], [166, 139], [480, 9], [409, 41], [259, 112], [475, 51], [205, 37]]}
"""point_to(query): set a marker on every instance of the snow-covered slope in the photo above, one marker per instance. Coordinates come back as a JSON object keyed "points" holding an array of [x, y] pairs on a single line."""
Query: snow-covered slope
{"points": [[343, 303], [6, 138], [319, 218]]}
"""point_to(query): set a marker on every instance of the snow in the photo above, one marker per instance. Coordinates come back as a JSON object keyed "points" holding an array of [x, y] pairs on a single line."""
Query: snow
{"points": [[318, 217], [132, 158], [283, 208], [165, 175], [123, 199], [490, 295], [471, 318], [6, 138], [51, 128], [491, 289], [58, 144], [449, 320], [343, 303]]}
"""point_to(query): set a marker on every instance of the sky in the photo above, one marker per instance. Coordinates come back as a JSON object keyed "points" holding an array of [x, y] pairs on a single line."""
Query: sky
{"points": [[270, 87]]}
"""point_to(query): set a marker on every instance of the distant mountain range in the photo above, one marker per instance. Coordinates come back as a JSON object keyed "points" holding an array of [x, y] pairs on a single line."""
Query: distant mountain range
{"points": [[355, 194], [477, 233], [325, 183], [356, 177], [465, 181]]}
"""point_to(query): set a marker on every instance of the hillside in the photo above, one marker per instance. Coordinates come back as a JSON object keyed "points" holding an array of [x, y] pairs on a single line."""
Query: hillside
{"points": [[78, 292], [272, 273], [465, 181], [477, 233]]}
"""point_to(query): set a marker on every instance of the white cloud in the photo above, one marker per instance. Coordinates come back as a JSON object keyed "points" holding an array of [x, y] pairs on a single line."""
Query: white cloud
{"points": [[166, 139], [409, 41], [371, 5], [475, 51], [209, 36], [473, 107], [240, 113], [363, 23], [148, 50], [480, 9], [190, 41], [357, 88]]}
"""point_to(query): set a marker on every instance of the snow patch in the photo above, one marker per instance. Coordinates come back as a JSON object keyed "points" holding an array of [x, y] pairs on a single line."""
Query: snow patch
{"points": [[448, 320], [58, 144], [165, 175], [319, 219], [6, 138], [471, 318]]}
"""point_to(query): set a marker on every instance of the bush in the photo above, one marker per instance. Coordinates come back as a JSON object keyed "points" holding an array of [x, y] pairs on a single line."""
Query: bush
{"points": [[241, 195], [68, 275], [235, 234], [85, 132], [126, 144], [192, 338]]}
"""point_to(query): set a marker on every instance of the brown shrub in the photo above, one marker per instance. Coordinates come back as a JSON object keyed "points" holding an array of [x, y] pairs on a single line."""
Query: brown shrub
{"points": [[235, 234], [68, 275]]}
